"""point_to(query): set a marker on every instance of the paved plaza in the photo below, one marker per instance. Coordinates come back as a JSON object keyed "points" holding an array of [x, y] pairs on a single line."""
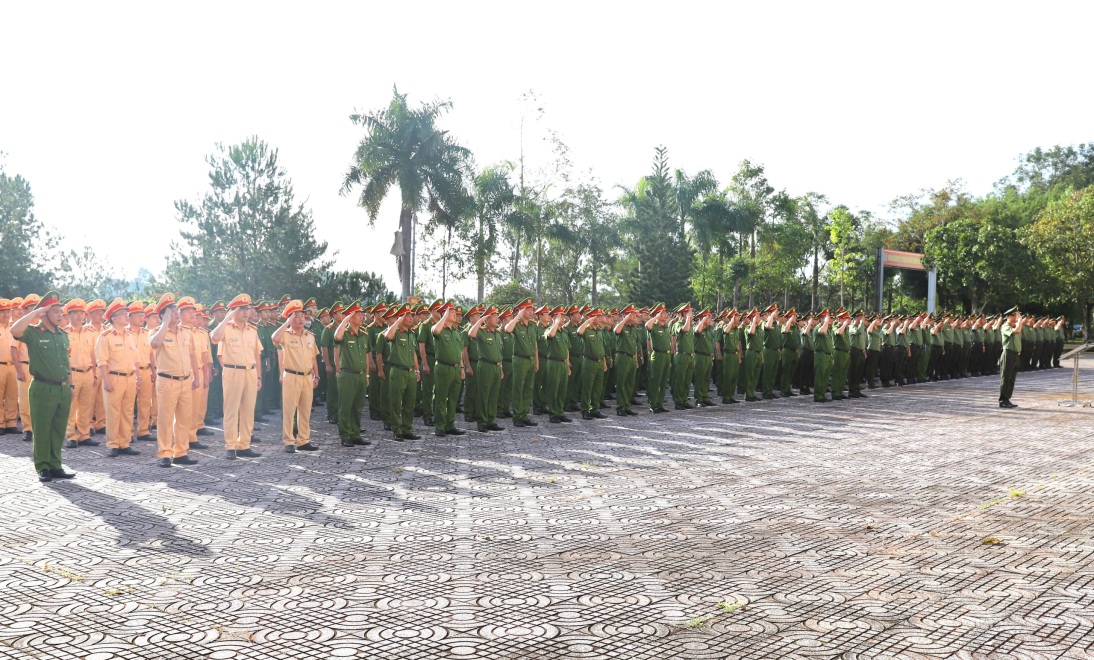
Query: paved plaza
{"points": [[921, 522]]}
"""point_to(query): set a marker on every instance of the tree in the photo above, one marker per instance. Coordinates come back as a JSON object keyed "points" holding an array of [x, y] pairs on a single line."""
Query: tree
{"points": [[84, 274], [843, 229], [26, 245], [815, 224], [661, 259], [492, 210], [404, 147], [247, 233], [1063, 238], [350, 285]]}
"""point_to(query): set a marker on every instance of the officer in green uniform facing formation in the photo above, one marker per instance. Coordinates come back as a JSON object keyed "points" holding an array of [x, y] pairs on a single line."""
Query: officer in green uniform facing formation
{"points": [[351, 354], [50, 395], [1012, 348], [659, 346]]}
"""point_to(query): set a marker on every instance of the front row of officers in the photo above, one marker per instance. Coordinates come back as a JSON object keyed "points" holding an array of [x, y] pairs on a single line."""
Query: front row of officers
{"points": [[507, 362]]}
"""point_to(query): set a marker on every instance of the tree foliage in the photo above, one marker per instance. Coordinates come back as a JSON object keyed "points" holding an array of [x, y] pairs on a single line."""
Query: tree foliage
{"points": [[25, 263]]}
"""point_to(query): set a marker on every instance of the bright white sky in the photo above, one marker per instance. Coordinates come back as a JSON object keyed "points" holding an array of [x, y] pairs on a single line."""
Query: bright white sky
{"points": [[109, 108]]}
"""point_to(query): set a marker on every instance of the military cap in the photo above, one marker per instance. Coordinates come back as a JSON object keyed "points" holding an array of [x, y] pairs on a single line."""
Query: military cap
{"points": [[50, 299], [705, 312], [436, 305], [136, 307], [629, 309], [657, 308], [771, 308], [859, 312], [1012, 310], [490, 310], [824, 312], [16, 302], [585, 309], [682, 308], [284, 300], [217, 306], [311, 302], [242, 300], [594, 312], [791, 312], [558, 310], [614, 311], [527, 302], [291, 308], [353, 308], [5, 304], [543, 309], [186, 301], [115, 306], [506, 312], [93, 306], [74, 305], [150, 310]]}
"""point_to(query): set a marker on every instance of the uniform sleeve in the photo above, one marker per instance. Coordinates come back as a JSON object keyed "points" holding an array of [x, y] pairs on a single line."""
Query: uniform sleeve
{"points": [[102, 351]]}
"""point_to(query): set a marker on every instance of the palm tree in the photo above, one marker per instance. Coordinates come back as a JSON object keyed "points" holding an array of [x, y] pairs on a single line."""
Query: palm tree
{"points": [[403, 147], [493, 206]]}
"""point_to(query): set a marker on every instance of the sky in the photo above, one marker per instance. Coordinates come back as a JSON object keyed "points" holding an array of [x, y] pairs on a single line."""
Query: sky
{"points": [[109, 108]]}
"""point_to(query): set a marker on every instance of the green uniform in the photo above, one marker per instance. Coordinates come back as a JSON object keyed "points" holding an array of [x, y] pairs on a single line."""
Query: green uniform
{"points": [[50, 395], [753, 361], [488, 375], [660, 358], [683, 363], [823, 347], [402, 386], [316, 329], [841, 362], [772, 347], [704, 365], [1012, 349], [471, 382], [352, 381], [376, 409], [505, 394], [858, 341], [577, 359], [448, 373], [215, 407], [626, 366], [327, 341], [731, 363], [792, 343], [424, 335], [524, 368], [592, 372], [539, 401], [557, 357]]}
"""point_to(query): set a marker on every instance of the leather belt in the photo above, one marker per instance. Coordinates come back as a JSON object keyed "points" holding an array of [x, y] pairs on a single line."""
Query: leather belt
{"points": [[296, 373], [79, 371], [121, 373], [448, 364], [526, 357], [843, 350], [399, 366], [23, 362], [496, 364], [58, 383], [351, 371], [624, 353], [661, 352], [5, 362], [236, 366], [145, 368], [551, 359], [169, 376], [702, 353], [592, 359]]}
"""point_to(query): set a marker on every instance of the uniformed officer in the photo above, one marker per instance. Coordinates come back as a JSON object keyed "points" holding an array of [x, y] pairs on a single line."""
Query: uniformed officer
{"points": [[84, 376], [215, 408], [732, 352], [806, 362], [659, 347], [823, 347], [326, 348], [754, 356], [50, 397], [489, 374], [354, 360], [471, 382], [557, 365], [145, 370], [505, 394], [841, 356], [448, 368], [772, 350], [22, 361], [9, 384], [704, 334], [176, 363], [424, 334], [543, 320], [525, 362], [626, 360], [299, 377], [791, 347], [577, 345], [683, 355], [241, 356], [859, 340], [1012, 350], [116, 356], [403, 373], [592, 372], [203, 348]]}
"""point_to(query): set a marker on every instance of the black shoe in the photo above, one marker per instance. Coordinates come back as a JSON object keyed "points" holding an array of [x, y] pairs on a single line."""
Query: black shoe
{"points": [[71, 444], [164, 462], [482, 429], [27, 436], [145, 438], [387, 427], [348, 443], [770, 396], [790, 393], [230, 455], [681, 406], [529, 422], [204, 431], [519, 423], [290, 449], [570, 409], [838, 398], [360, 442], [114, 453], [565, 420], [621, 413], [861, 395], [806, 391], [599, 415], [255, 439], [128, 451], [495, 427], [185, 460], [101, 431], [61, 474], [688, 405], [456, 432], [398, 438], [468, 418], [555, 420], [248, 453], [45, 476], [202, 445], [411, 436], [440, 434], [584, 415], [505, 414], [153, 427], [307, 447], [604, 406], [632, 413]]}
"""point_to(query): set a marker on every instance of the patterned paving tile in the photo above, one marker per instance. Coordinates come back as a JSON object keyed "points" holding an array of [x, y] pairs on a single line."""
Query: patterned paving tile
{"points": [[923, 522]]}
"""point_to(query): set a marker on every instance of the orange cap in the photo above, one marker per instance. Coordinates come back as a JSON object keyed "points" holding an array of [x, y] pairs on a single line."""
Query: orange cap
{"points": [[74, 305], [186, 302], [96, 305], [165, 300], [291, 308], [242, 300], [136, 307], [115, 306], [31, 300]]}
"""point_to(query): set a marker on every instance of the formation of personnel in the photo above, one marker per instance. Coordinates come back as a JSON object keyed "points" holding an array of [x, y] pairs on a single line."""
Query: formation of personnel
{"points": [[126, 369]]}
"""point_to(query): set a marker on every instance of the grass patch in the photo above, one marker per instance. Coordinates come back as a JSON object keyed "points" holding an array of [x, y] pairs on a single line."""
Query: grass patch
{"points": [[697, 622]]}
